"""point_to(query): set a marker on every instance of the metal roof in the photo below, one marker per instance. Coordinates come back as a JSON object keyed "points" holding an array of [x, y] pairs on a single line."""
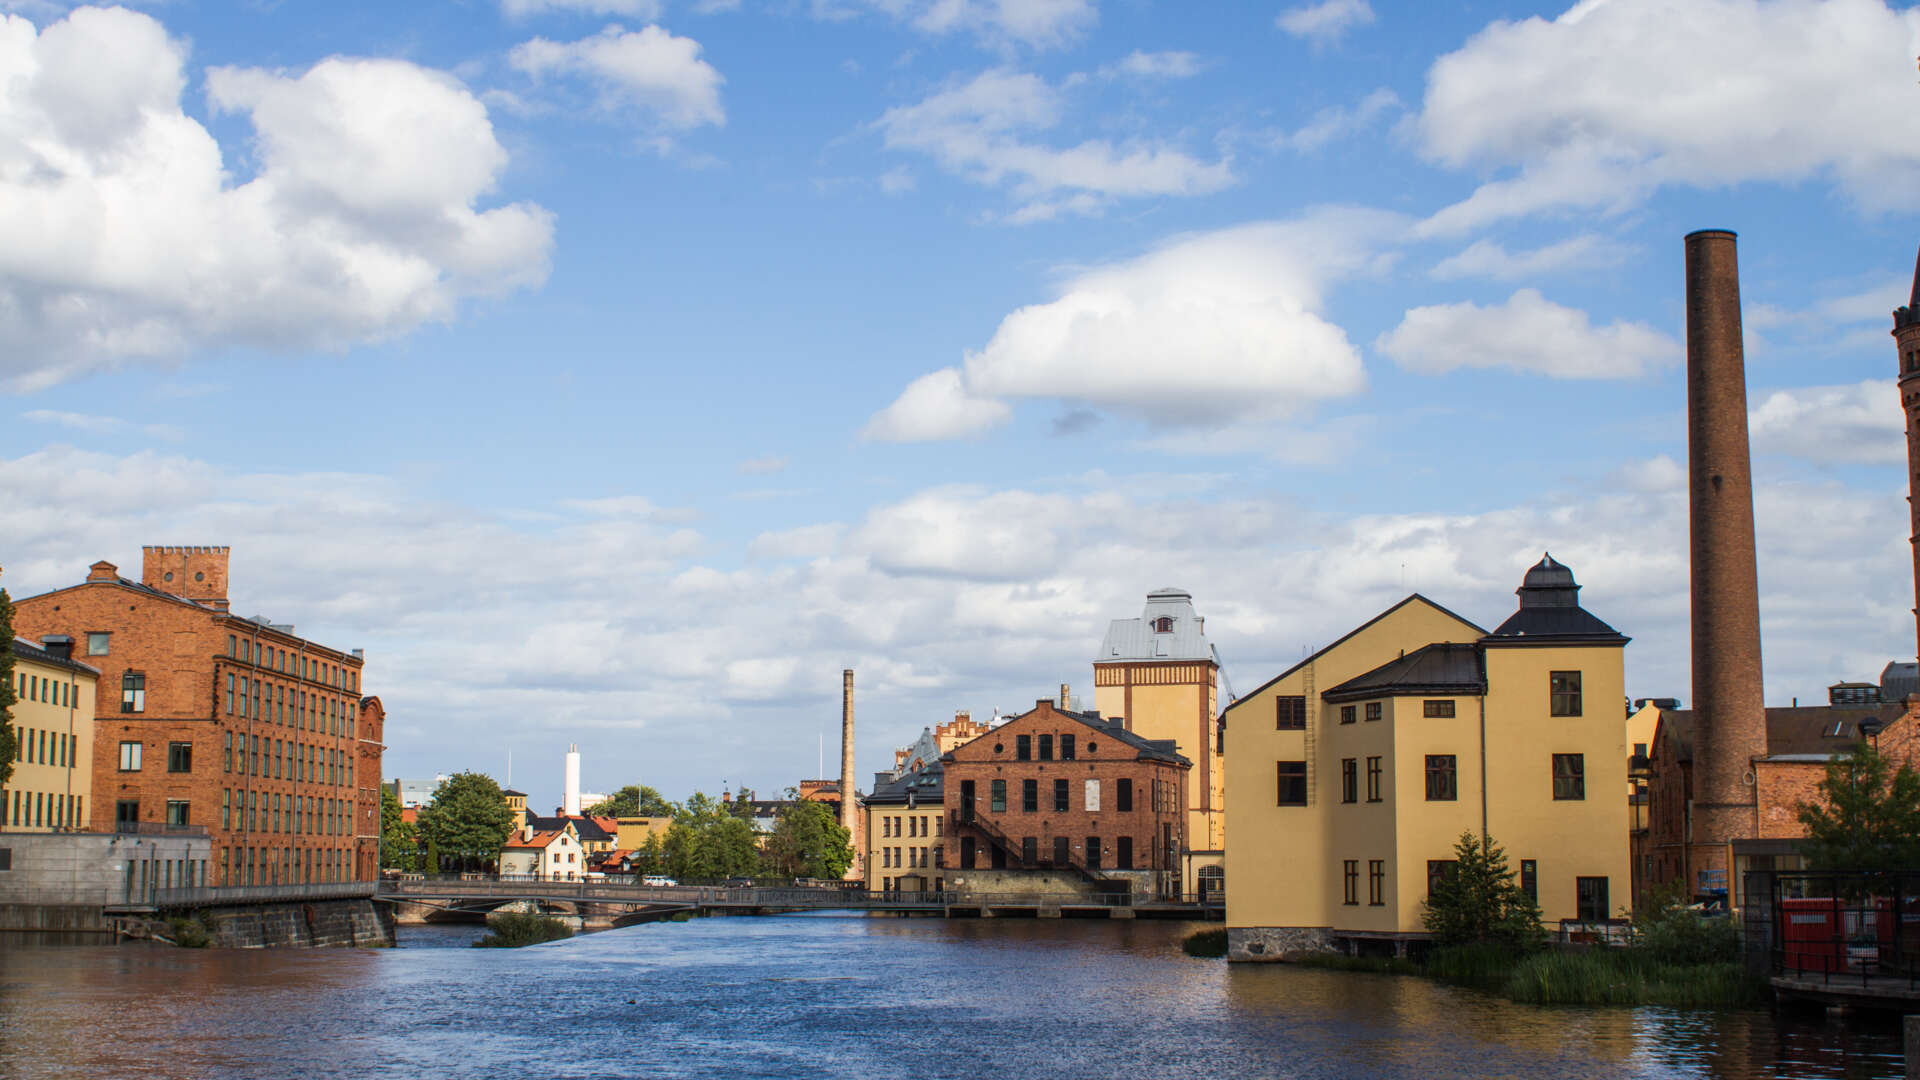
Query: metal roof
{"points": [[1441, 668], [1136, 639], [28, 650]]}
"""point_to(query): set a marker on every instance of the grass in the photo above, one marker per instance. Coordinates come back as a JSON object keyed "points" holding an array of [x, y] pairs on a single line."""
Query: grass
{"points": [[1595, 976], [511, 931], [1206, 943], [1385, 965]]}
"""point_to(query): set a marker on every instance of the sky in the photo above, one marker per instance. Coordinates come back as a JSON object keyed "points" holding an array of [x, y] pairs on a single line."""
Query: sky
{"points": [[615, 372]]}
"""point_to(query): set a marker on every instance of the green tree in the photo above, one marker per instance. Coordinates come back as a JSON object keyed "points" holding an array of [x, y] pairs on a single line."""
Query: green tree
{"points": [[1866, 815], [1478, 900], [8, 745], [634, 800], [399, 838], [467, 822], [807, 841], [707, 842]]}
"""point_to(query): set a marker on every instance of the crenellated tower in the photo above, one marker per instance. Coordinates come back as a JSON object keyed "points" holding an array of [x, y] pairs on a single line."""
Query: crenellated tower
{"points": [[1906, 336]]}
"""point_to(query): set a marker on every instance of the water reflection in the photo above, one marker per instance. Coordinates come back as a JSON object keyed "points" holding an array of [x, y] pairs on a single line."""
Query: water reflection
{"points": [[786, 997]]}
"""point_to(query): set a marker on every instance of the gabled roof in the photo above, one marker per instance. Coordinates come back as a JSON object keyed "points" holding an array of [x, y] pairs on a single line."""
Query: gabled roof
{"points": [[538, 841], [1342, 639], [1146, 749], [1793, 732], [26, 650], [1441, 668], [585, 828], [926, 786]]}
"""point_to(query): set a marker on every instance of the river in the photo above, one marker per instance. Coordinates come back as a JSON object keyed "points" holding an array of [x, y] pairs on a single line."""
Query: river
{"points": [[844, 997]]}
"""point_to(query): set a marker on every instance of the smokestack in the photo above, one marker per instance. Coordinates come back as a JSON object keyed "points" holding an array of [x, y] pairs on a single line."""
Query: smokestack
{"points": [[846, 750], [1906, 336], [571, 807], [1729, 709], [1066, 702]]}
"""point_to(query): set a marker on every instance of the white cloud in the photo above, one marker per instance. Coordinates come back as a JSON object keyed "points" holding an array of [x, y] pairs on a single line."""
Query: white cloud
{"points": [[1859, 424], [1326, 22], [1488, 259], [101, 425], [1528, 333], [1039, 24], [633, 9], [128, 238], [1156, 65], [1338, 121], [1211, 328], [897, 181], [985, 130], [764, 466], [648, 70], [1615, 98]]}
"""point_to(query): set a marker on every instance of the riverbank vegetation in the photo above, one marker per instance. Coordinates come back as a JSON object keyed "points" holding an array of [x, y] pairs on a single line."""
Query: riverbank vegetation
{"points": [[511, 931], [1206, 943]]}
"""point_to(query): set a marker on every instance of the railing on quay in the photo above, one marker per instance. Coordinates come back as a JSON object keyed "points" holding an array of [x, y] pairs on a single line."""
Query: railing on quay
{"points": [[516, 886], [1841, 927], [219, 895]]}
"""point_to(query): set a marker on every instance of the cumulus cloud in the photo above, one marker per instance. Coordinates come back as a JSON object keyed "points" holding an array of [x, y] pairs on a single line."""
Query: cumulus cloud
{"points": [[1327, 22], [989, 131], [648, 71], [129, 239], [1613, 99], [1038, 24], [101, 425], [633, 9], [1210, 328], [1860, 423], [1528, 333], [1338, 121], [1156, 65], [1489, 259]]}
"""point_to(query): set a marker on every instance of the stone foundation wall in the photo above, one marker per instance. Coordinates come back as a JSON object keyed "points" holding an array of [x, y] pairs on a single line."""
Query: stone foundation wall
{"points": [[53, 918], [320, 924], [1254, 944]]}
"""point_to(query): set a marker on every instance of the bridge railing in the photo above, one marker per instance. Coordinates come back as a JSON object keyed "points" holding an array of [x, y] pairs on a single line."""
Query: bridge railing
{"points": [[519, 886], [219, 895]]}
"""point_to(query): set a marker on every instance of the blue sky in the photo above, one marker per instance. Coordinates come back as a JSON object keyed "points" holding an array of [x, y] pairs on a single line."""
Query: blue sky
{"points": [[617, 371]]}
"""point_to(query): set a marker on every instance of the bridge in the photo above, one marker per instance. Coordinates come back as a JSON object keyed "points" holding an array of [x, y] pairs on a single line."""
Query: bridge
{"points": [[626, 904]]}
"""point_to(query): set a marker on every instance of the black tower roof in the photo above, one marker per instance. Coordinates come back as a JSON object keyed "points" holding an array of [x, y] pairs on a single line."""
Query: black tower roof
{"points": [[1550, 611]]}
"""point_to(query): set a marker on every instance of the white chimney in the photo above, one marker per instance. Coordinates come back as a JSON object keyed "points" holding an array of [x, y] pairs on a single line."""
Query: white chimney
{"points": [[571, 807]]}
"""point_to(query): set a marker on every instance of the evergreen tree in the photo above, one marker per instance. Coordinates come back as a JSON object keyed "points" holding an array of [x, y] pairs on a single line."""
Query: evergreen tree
{"points": [[467, 822], [8, 743], [1866, 815], [1478, 900], [809, 841]]}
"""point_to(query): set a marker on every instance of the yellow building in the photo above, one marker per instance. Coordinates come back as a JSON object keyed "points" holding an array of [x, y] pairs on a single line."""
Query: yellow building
{"points": [[632, 833], [1159, 673], [906, 831], [53, 722], [516, 805], [1352, 774]]}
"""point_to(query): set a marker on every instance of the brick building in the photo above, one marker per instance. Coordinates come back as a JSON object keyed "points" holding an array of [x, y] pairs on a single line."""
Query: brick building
{"points": [[1069, 795], [233, 724]]}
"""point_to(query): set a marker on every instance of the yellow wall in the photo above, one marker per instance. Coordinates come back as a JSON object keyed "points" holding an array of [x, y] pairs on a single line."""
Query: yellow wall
{"points": [[1279, 878], [46, 723], [889, 830], [634, 831], [1182, 711]]}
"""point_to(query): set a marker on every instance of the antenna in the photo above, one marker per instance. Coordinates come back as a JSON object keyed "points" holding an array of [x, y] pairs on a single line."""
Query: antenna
{"points": [[822, 766]]}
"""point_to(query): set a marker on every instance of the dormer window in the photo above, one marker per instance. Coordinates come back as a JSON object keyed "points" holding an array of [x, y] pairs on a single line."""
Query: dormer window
{"points": [[1163, 625]]}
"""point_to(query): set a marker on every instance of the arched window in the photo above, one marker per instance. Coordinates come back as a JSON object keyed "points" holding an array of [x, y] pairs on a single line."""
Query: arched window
{"points": [[1163, 625]]}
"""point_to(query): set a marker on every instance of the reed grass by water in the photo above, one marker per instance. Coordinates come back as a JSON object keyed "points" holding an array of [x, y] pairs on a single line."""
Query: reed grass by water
{"points": [[1594, 976]]}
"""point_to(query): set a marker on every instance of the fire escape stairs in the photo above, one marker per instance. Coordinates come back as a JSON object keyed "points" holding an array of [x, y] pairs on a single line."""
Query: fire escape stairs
{"points": [[1016, 859]]}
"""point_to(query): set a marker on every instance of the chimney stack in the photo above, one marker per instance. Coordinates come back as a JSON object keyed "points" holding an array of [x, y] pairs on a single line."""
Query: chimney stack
{"points": [[1729, 709], [1906, 336], [1066, 702], [846, 750], [571, 807]]}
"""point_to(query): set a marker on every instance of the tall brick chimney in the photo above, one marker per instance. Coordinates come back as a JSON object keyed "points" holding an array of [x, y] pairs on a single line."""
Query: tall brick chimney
{"points": [[194, 571], [847, 809], [1906, 336], [1730, 726]]}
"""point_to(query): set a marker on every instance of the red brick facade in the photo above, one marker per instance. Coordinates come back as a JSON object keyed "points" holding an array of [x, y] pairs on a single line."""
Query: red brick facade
{"points": [[221, 722], [1057, 790]]}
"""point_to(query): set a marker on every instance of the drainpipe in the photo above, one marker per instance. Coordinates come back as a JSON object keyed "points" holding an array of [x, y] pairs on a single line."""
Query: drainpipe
{"points": [[1483, 767]]}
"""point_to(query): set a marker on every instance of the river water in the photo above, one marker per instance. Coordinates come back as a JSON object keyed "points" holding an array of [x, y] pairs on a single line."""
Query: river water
{"points": [[843, 997]]}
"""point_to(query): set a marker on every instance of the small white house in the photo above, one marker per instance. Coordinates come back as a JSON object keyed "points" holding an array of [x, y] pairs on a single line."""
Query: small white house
{"points": [[544, 856]]}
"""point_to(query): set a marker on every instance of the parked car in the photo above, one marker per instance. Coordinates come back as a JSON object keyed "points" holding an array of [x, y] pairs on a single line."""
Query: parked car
{"points": [[738, 883], [657, 881]]}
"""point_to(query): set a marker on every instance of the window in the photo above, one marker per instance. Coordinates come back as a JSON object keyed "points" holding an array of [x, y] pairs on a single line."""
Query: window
{"points": [[1569, 776], [179, 757], [226, 808], [1530, 878], [1123, 796], [1061, 856], [1123, 853], [6, 858], [1373, 779], [133, 692], [1046, 748], [1091, 797], [1163, 625], [1349, 780], [1373, 711], [129, 757], [1564, 693], [1290, 713], [1437, 871], [1029, 850], [97, 644], [1376, 882], [1066, 748], [1350, 875], [1030, 796], [1590, 898], [1293, 783], [999, 796], [1441, 708], [1347, 713], [1060, 797], [229, 693], [1023, 747], [176, 811], [1442, 778], [233, 645]]}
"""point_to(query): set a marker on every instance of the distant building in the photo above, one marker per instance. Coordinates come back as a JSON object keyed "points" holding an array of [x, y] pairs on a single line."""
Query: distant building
{"points": [[414, 794], [53, 721], [544, 854], [907, 829], [1055, 800]]}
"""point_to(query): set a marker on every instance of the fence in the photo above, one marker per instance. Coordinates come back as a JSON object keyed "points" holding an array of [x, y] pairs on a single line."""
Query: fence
{"points": [[1841, 927], [221, 895]]}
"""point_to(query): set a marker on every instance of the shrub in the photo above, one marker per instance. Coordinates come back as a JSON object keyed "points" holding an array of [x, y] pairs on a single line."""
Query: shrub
{"points": [[1670, 932], [189, 933], [511, 931]]}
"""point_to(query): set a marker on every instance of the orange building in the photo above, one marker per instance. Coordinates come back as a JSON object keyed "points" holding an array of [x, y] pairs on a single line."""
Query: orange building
{"points": [[205, 720]]}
